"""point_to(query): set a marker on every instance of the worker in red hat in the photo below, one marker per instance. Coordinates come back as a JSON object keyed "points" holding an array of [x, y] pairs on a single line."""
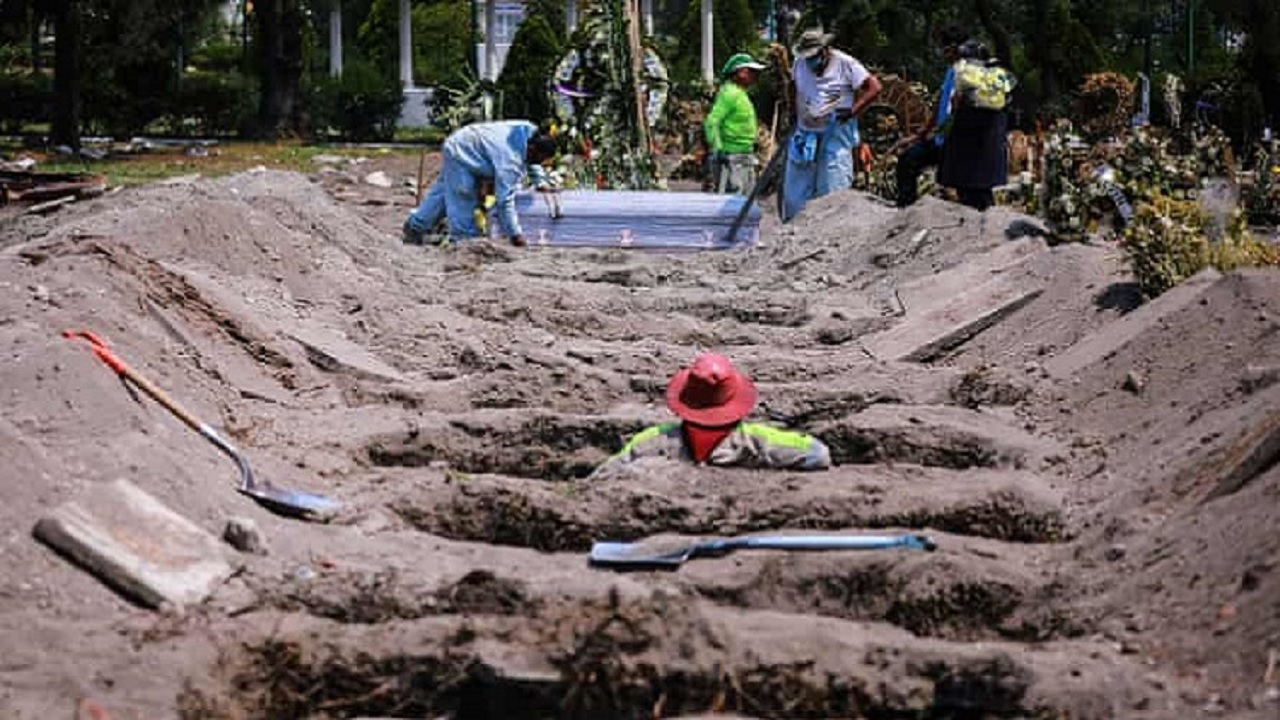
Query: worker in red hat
{"points": [[712, 400]]}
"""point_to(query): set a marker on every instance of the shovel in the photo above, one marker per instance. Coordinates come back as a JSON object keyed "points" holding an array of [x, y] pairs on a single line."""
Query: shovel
{"points": [[671, 554], [293, 503], [772, 168]]}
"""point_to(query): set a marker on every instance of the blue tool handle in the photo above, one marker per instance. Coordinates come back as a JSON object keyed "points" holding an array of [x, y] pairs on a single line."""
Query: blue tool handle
{"points": [[837, 542]]}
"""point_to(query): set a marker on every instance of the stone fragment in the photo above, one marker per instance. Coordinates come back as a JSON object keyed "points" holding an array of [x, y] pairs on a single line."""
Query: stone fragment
{"points": [[1116, 552], [1134, 382], [243, 534], [378, 179], [135, 544]]}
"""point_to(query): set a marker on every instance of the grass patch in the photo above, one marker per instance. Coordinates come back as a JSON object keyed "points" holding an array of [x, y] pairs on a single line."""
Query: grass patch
{"points": [[222, 159]]}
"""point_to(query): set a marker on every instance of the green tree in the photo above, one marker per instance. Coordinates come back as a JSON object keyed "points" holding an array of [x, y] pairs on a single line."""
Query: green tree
{"points": [[279, 39], [1259, 59], [534, 52], [441, 44], [734, 31], [67, 103]]}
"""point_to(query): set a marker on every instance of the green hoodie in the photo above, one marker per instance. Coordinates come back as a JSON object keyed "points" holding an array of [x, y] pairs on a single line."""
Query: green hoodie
{"points": [[731, 125]]}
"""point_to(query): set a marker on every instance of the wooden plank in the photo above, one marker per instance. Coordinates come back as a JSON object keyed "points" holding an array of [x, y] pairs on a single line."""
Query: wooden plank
{"points": [[926, 335], [331, 351], [637, 73], [1256, 450], [937, 289], [135, 544]]}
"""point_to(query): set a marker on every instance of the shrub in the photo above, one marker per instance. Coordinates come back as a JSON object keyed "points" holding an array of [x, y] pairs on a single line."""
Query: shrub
{"points": [[734, 31], [215, 103], [26, 98], [534, 53], [362, 105], [1170, 240]]}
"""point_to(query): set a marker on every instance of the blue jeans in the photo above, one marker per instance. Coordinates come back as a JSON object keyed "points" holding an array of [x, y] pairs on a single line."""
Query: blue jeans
{"points": [[455, 195], [831, 169]]}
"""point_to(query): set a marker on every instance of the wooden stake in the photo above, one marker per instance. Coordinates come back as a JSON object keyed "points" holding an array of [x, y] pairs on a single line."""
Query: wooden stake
{"points": [[422, 160], [637, 72]]}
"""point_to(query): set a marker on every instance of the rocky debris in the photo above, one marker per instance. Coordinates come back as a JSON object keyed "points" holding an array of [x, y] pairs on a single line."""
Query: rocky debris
{"points": [[1259, 377], [244, 535], [378, 179], [1134, 382]]}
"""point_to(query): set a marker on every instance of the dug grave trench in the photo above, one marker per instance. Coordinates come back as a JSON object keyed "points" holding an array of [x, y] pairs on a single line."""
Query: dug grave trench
{"points": [[632, 658], [787, 635]]}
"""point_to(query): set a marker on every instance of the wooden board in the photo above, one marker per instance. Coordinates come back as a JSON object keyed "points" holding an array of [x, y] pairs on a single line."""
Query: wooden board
{"points": [[135, 544], [925, 335]]}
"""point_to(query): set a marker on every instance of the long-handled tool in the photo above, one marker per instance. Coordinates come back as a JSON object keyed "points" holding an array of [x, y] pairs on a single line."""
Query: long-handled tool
{"points": [[417, 188], [766, 176], [294, 503], [668, 554]]}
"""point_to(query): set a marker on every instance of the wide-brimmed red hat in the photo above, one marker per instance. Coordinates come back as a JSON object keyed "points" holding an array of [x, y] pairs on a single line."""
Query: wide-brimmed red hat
{"points": [[711, 392]]}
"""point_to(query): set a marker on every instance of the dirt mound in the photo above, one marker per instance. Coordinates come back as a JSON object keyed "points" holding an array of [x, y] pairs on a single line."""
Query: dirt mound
{"points": [[1100, 474]]}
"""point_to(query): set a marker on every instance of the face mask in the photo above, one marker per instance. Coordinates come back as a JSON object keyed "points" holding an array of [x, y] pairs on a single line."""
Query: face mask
{"points": [[816, 63]]}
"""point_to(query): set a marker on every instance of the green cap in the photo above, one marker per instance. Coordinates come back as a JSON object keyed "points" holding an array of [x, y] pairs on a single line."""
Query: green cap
{"points": [[737, 62]]}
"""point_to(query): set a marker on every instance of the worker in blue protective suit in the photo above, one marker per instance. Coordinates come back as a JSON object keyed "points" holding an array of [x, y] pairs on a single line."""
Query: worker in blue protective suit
{"points": [[831, 91], [498, 152]]}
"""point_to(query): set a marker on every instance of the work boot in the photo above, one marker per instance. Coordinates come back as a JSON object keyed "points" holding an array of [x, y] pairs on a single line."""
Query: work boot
{"points": [[410, 236]]}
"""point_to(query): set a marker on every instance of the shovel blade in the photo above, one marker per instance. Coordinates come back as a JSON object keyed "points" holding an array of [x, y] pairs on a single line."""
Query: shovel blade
{"points": [[293, 503], [637, 556]]}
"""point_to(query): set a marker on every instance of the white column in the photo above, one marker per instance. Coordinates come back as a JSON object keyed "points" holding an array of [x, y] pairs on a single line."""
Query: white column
{"points": [[708, 42], [646, 14], [571, 14], [335, 38], [490, 39], [406, 45]]}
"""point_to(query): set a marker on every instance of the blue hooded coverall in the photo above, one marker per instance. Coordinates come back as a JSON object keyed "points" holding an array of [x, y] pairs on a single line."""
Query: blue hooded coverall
{"points": [[476, 152]]}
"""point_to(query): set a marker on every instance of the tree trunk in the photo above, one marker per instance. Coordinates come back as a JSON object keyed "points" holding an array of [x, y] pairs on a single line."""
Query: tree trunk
{"points": [[1042, 12], [986, 11], [279, 26], [66, 78], [35, 17]]}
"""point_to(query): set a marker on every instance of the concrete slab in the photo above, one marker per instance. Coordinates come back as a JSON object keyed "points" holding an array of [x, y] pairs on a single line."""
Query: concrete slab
{"points": [[933, 290], [924, 335], [326, 348], [1257, 449], [1110, 339], [135, 544], [333, 352]]}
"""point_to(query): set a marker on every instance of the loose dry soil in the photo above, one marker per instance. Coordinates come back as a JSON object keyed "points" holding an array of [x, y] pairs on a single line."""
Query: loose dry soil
{"points": [[1101, 474]]}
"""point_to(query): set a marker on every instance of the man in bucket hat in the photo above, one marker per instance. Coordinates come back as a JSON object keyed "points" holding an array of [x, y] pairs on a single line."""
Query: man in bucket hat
{"points": [[731, 127], [832, 89], [712, 399]]}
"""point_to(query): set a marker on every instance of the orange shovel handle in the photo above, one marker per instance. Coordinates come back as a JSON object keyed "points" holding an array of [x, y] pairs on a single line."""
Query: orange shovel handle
{"points": [[113, 361]]}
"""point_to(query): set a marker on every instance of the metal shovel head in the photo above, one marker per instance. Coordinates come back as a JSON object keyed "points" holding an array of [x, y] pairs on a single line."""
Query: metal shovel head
{"points": [[662, 552], [293, 503]]}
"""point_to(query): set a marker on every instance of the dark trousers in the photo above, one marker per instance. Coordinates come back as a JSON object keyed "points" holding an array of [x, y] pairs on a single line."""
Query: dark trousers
{"points": [[977, 198], [911, 163]]}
